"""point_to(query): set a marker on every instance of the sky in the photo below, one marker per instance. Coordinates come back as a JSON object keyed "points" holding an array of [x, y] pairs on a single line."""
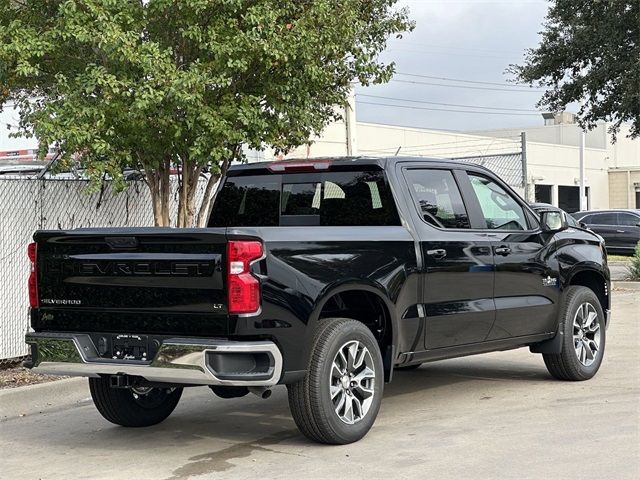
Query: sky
{"points": [[471, 40]]}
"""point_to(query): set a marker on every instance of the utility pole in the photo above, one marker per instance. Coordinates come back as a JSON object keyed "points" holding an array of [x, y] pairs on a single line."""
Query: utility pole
{"points": [[350, 124], [525, 170], [583, 203]]}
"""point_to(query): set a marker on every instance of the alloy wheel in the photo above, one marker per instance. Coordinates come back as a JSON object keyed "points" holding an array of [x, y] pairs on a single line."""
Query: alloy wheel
{"points": [[586, 334], [352, 382]]}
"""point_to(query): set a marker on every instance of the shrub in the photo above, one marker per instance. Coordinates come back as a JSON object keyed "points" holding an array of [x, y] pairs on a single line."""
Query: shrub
{"points": [[634, 267]]}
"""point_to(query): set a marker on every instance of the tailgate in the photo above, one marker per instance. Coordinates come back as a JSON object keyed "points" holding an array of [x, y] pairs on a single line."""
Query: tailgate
{"points": [[142, 280]]}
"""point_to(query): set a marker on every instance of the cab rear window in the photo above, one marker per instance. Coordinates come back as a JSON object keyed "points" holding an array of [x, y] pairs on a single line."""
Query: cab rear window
{"points": [[319, 199]]}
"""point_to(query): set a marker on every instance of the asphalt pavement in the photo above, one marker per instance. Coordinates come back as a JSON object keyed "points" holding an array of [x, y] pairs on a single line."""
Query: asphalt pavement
{"points": [[494, 416]]}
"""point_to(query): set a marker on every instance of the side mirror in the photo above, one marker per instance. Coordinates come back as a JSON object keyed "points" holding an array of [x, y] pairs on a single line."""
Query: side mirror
{"points": [[553, 221]]}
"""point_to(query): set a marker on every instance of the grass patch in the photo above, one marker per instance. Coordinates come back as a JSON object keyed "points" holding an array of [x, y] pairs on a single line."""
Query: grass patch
{"points": [[619, 258]]}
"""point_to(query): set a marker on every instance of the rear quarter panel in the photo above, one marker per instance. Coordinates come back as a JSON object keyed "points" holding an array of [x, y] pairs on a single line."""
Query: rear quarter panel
{"points": [[304, 267]]}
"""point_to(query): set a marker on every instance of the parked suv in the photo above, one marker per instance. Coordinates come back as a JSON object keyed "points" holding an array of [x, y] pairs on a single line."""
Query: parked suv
{"points": [[619, 228], [324, 276]]}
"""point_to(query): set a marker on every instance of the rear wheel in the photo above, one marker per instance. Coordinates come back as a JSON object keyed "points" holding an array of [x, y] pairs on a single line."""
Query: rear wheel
{"points": [[338, 400], [584, 337], [133, 407]]}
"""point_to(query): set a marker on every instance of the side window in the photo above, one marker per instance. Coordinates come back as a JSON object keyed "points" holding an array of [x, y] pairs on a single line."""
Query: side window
{"points": [[603, 219], [247, 201], [628, 220], [437, 198], [501, 211], [340, 199], [572, 222]]}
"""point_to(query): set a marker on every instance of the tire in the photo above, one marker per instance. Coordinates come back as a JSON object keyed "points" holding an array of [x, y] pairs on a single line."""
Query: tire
{"points": [[407, 368], [126, 407], [582, 332], [322, 418]]}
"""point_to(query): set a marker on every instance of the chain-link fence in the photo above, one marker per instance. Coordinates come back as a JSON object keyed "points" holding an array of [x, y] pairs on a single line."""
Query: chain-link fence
{"points": [[509, 166], [28, 204]]}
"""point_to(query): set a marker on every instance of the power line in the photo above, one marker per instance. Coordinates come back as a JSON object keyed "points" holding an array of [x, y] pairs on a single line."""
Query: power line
{"points": [[449, 47], [446, 110], [454, 54], [453, 154], [446, 104], [471, 87], [477, 146], [468, 142], [451, 150], [467, 81]]}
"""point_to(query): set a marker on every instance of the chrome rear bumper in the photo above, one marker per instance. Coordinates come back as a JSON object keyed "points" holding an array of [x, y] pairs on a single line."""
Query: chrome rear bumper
{"points": [[192, 361]]}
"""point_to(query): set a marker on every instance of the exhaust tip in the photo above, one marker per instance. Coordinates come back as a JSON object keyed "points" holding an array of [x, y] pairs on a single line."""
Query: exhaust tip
{"points": [[262, 392]]}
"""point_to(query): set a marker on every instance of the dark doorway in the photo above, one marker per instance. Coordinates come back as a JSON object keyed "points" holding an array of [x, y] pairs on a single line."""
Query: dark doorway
{"points": [[569, 198], [637, 198], [543, 194]]}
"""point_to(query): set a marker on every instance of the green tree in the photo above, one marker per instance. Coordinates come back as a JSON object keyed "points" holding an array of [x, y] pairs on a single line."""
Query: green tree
{"points": [[590, 50], [162, 84]]}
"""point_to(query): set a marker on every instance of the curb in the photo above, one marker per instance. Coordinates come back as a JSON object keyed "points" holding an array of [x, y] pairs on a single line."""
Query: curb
{"points": [[626, 285], [43, 397]]}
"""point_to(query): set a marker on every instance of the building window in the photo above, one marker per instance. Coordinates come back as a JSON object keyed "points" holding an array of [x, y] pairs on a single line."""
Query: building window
{"points": [[543, 194], [569, 198]]}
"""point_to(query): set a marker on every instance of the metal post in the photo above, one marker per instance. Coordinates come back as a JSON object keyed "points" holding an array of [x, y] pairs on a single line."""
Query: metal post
{"points": [[525, 172], [350, 124], [583, 202]]}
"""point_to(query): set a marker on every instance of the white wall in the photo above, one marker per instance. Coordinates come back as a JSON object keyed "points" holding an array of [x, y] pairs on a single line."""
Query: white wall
{"points": [[379, 140], [556, 165], [565, 134], [624, 153]]}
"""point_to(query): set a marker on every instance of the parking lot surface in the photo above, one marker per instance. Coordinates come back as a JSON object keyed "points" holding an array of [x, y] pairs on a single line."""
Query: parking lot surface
{"points": [[491, 416]]}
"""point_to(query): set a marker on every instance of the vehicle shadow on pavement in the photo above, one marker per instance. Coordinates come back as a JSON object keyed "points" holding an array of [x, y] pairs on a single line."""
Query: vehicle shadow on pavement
{"points": [[202, 414], [207, 433], [442, 374]]}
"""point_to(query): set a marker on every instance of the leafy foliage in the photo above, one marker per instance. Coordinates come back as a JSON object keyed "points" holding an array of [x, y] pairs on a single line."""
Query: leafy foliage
{"points": [[590, 50], [163, 83], [634, 267]]}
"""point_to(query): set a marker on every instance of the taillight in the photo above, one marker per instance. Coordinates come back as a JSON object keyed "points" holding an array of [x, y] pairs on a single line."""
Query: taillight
{"points": [[243, 287], [32, 252]]}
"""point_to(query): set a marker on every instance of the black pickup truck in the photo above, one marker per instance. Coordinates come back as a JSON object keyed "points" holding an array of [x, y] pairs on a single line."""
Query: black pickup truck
{"points": [[324, 276]]}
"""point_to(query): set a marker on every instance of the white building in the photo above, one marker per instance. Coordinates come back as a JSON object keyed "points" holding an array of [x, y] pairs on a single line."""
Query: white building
{"points": [[612, 170]]}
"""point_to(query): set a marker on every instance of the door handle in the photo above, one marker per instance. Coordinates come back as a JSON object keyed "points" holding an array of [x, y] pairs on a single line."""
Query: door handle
{"points": [[437, 253], [621, 231], [502, 250]]}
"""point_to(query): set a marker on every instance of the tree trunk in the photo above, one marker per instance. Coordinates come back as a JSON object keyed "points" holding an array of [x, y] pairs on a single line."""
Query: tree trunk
{"points": [[189, 175], [158, 180], [205, 207], [207, 200]]}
